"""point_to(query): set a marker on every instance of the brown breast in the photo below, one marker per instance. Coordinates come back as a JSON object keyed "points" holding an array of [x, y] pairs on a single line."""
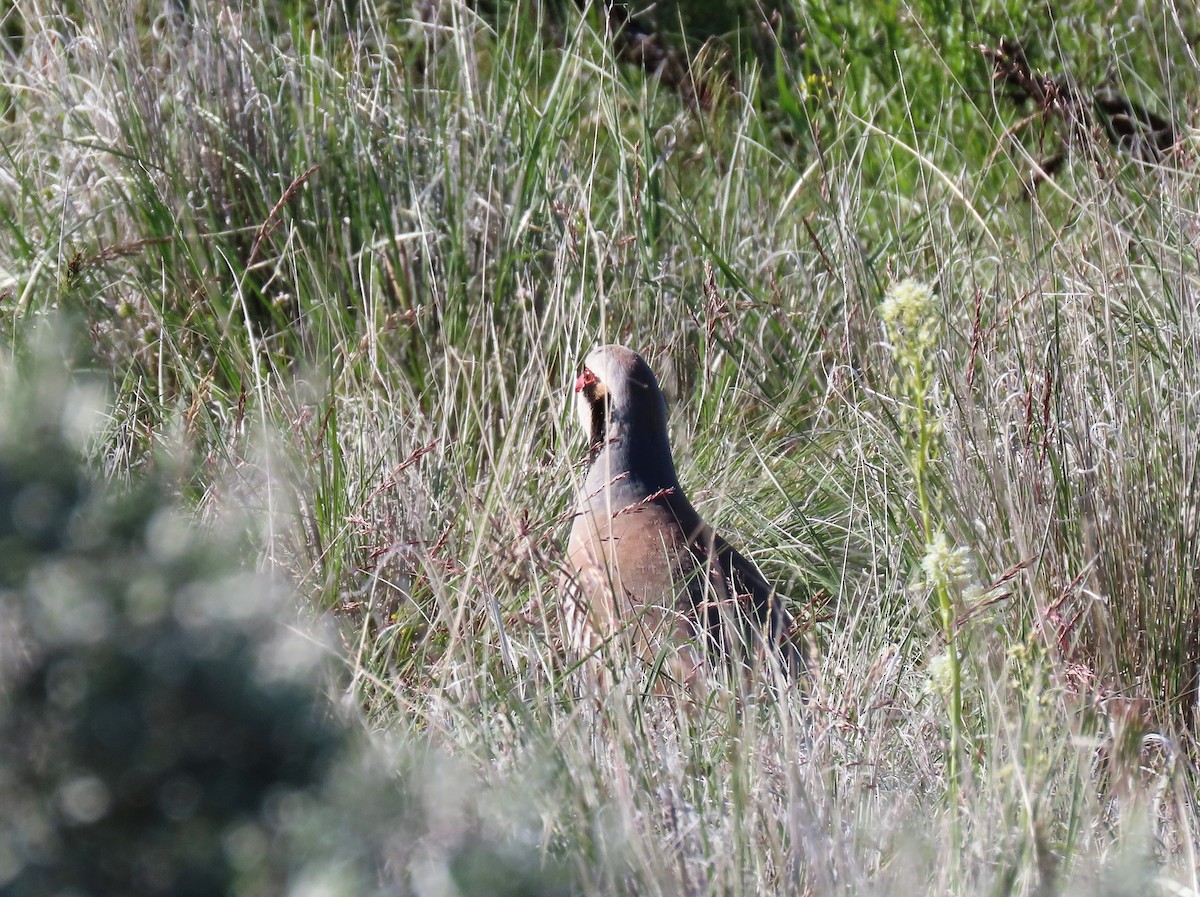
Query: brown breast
{"points": [[636, 573]]}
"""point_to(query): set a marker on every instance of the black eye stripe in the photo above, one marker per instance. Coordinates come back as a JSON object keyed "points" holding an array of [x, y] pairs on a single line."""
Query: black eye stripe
{"points": [[599, 402]]}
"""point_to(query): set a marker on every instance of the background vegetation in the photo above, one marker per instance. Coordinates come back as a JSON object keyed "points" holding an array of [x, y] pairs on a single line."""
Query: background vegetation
{"points": [[921, 283]]}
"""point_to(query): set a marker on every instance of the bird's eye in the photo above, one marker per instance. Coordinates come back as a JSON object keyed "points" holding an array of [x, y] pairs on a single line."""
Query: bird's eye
{"points": [[586, 379]]}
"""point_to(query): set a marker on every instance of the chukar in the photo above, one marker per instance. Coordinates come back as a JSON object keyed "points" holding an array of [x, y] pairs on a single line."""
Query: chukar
{"points": [[643, 566]]}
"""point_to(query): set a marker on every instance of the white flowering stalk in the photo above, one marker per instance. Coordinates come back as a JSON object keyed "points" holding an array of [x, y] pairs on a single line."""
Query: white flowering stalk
{"points": [[912, 328], [949, 573], [908, 316]]}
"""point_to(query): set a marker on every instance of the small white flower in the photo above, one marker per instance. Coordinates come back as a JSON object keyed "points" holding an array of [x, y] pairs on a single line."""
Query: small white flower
{"points": [[944, 564], [937, 675], [908, 304]]}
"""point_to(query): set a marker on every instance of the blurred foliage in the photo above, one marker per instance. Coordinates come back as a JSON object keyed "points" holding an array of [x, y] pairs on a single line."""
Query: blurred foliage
{"points": [[165, 729]]}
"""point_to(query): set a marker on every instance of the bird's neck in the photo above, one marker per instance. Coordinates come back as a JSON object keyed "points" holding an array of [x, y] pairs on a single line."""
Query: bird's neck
{"points": [[624, 470]]}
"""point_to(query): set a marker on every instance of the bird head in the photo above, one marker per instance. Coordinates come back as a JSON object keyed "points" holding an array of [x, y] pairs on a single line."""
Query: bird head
{"points": [[617, 398]]}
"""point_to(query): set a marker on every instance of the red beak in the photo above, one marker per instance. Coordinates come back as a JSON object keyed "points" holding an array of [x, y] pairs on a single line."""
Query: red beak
{"points": [[586, 379]]}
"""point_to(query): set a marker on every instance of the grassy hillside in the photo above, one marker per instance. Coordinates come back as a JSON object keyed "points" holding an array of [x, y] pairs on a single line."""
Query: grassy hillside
{"points": [[920, 281]]}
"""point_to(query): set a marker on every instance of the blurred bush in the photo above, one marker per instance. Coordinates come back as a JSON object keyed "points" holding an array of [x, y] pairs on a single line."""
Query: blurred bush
{"points": [[163, 722]]}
